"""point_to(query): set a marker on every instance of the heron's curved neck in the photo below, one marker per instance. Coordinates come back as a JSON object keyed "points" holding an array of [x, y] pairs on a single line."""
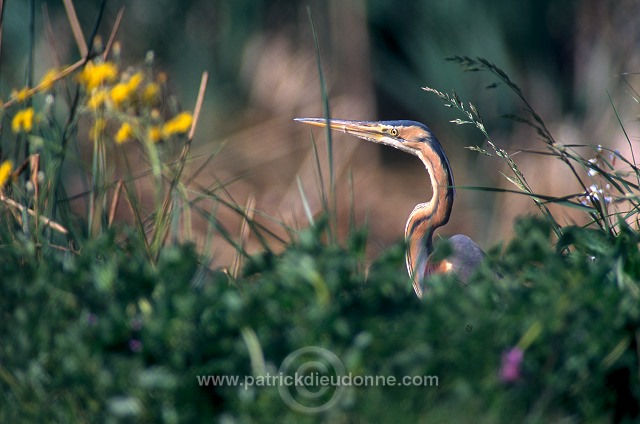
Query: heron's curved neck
{"points": [[428, 216]]}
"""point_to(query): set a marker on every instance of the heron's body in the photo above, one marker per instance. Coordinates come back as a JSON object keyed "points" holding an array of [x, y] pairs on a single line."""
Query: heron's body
{"points": [[416, 139]]}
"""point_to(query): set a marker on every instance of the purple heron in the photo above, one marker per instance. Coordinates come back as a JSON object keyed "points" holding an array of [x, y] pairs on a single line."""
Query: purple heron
{"points": [[416, 139]]}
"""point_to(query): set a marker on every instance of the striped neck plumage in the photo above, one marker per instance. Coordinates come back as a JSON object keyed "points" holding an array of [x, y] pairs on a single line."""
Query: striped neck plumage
{"points": [[428, 216]]}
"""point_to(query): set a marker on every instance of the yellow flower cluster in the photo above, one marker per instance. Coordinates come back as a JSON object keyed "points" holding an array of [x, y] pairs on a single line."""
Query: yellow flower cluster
{"points": [[48, 79], [150, 94], [20, 95], [45, 84], [124, 91], [131, 99], [97, 78], [124, 134], [23, 121], [111, 95], [5, 172], [180, 124], [96, 74], [154, 134], [98, 99]]}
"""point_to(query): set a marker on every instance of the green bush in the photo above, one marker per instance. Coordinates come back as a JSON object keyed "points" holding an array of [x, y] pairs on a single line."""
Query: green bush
{"points": [[106, 336]]}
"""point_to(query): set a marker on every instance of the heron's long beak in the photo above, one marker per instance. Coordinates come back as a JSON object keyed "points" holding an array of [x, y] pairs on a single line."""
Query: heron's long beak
{"points": [[367, 130]]}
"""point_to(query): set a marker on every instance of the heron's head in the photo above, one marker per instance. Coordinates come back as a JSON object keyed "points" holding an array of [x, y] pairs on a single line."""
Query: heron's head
{"points": [[408, 136]]}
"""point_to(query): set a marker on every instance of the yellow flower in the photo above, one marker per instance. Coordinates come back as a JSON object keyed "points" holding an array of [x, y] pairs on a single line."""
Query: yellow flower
{"points": [[135, 80], [48, 79], [20, 95], [119, 93], [98, 128], [150, 93], [94, 75], [123, 91], [5, 172], [23, 121], [97, 99], [179, 124], [155, 134], [124, 134]]}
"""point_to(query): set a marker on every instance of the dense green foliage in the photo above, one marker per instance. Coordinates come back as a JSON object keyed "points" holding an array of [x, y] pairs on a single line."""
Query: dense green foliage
{"points": [[105, 336]]}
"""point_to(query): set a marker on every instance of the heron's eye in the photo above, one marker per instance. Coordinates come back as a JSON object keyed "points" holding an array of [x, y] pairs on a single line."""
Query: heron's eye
{"points": [[393, 132]]}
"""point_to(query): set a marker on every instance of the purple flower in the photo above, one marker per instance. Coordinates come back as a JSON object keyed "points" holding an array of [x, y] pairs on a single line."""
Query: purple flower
{"points": [[510, 365], [135, 345], [92, 319]]}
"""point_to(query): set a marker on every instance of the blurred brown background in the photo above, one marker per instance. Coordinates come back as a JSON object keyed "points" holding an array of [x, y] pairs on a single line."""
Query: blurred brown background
{"points": [[376, 54]]}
